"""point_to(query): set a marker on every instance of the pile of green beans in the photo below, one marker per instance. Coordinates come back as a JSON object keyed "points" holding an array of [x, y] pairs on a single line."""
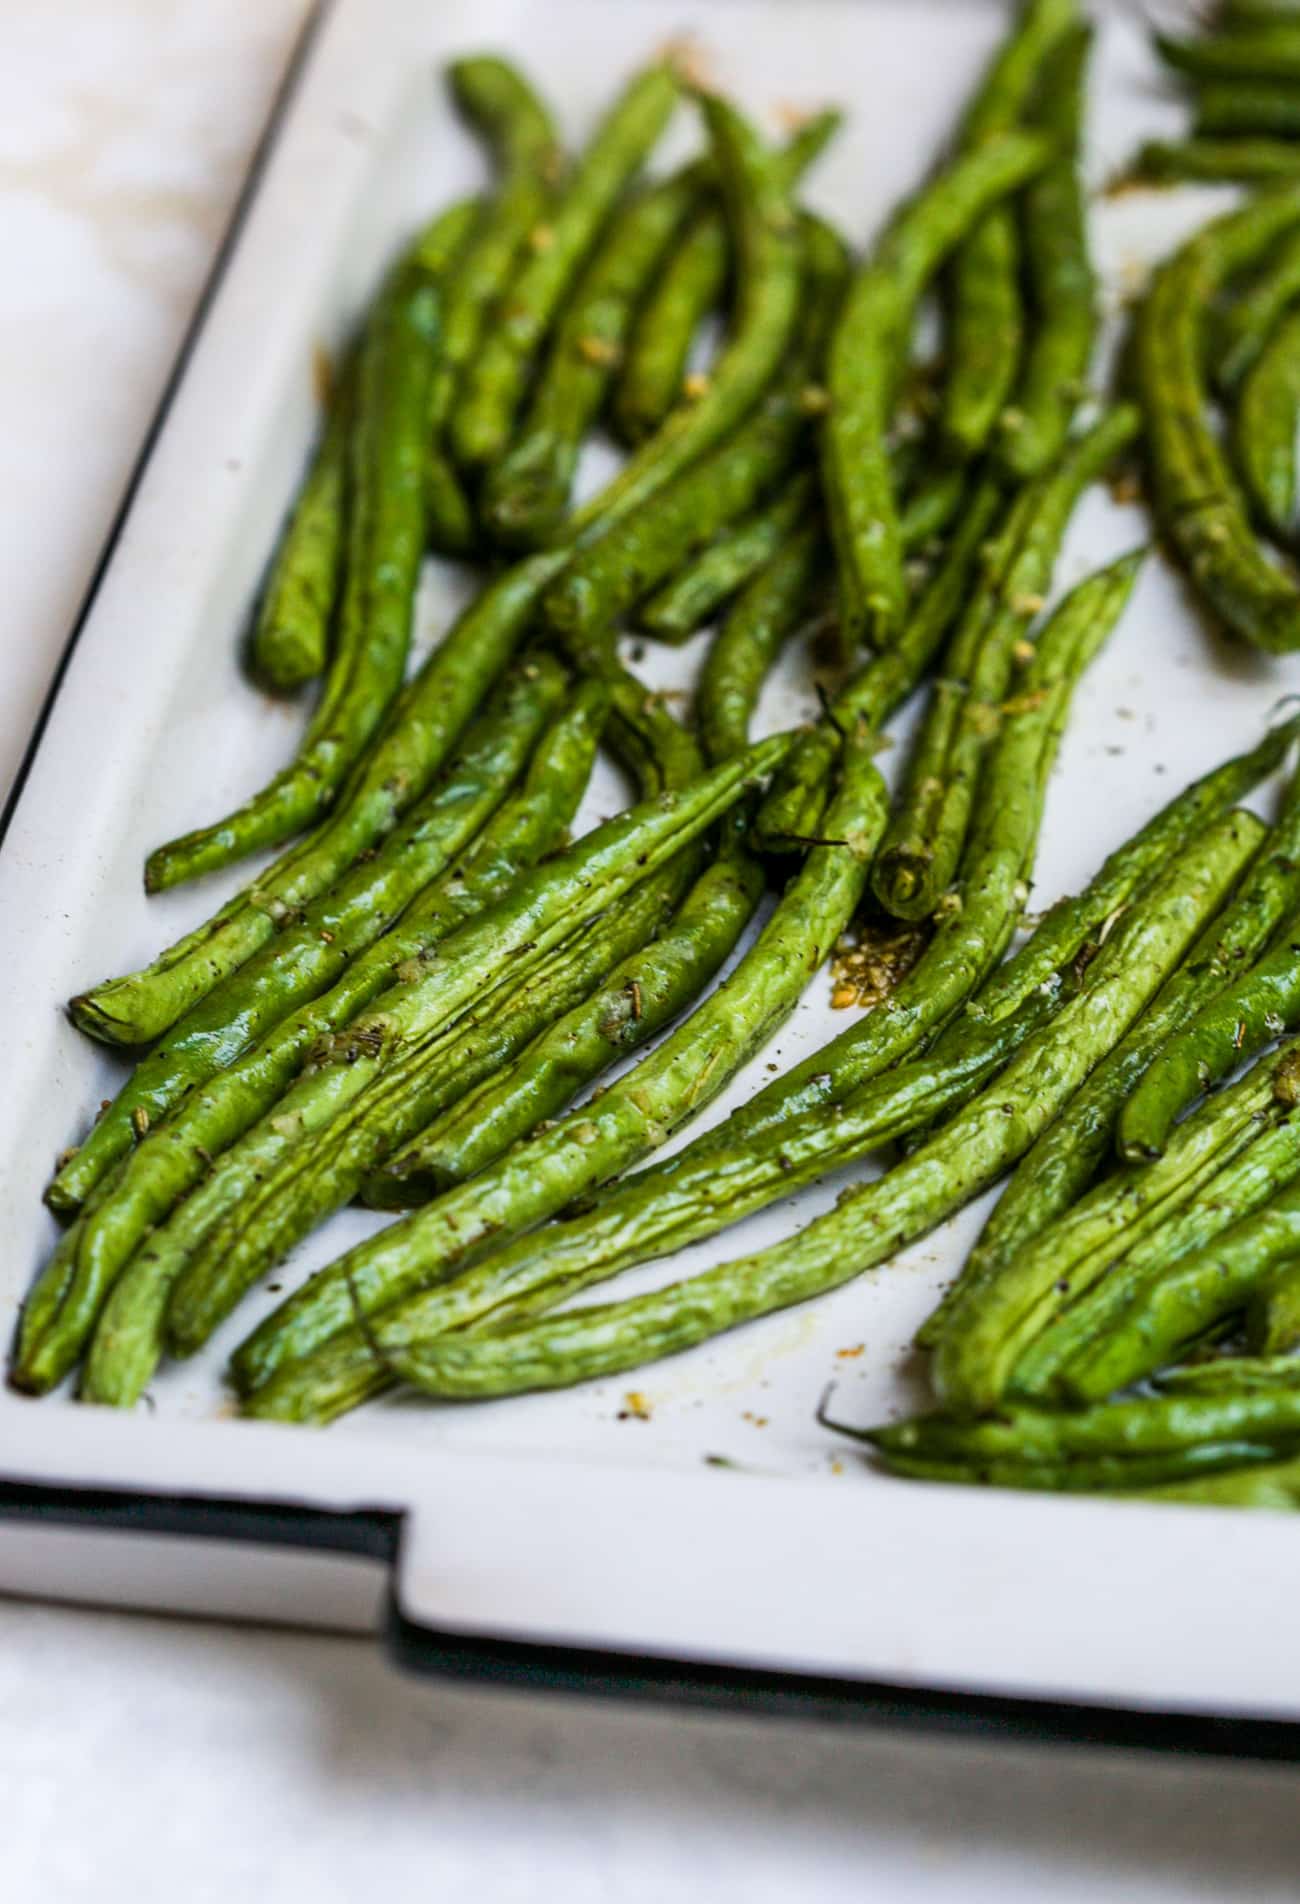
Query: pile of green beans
{"points": [[1237, 286], [406, 1007]]}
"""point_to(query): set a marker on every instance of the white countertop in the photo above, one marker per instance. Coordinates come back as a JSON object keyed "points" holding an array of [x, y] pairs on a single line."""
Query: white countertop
{"points": [[148, 1759]]}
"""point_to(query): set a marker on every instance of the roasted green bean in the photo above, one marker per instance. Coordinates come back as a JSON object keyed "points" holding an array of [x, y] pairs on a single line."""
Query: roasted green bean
{"points": [[866, 363], [494, 375]]}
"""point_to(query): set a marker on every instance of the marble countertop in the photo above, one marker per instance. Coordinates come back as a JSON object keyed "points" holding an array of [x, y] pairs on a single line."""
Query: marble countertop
{"points": [[146, 1759]]}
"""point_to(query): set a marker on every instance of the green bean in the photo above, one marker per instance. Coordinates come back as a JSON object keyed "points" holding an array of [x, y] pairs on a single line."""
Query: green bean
{"points": [[1095, 1474], [688, 289], [1078, 924], [494, 376], [643, 1217], [1274, 1487], [778, 602], [439, 254], [1173, 1310], [1246, 1181], [1193, 493], [290, 640], [1211, 161], [504, 110], [605, 579], [527, 826], [1061, 283], [1273, 1315], [770, 242], [931, 506], [526, 493], [385, 546], [970, 936], [1239, 1021], [425, 725], [688, 601], [308, 956], [985, 312], [997, 1314], [870, 1223], [532, 1181], [1246, 106], [544, 909], [1231, 1375], [791, 810], [1266, 426], [1271, 53], [130, 1333], [1154, 1425], [173, 1156], [866, 363], [922, 847], [1067, 1157], [637, 1113], [1251, 318], [638, 999]]}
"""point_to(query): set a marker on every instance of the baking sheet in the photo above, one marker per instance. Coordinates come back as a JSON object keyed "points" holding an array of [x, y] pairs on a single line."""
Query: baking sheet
{"points": [[155, 729]]}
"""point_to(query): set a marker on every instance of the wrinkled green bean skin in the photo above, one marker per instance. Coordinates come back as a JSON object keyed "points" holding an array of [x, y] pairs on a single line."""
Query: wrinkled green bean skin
{"points": [[385, 539], [634, 1116], [1004, 1304], [172, 1157], [425, 725], [690, 599], [290, 639], [1250, 1175], [309, 955], [866, 362], [501, 106], [1066, 1159], [922, 848], [526, 493], [1075, 922], [778, 602], [1173, 1310], [494, 376], [1217, 161], [1232, 107], [868, 1225], [649, 1215], [1062, 290], [970, 936], [605, 579], [985, 312], [791, 809], [1241, 1020], [769, 240], [1194, 495], [688, 290], [1265, 430], [1273, 1317], [1270, 54], [1245, 327]]}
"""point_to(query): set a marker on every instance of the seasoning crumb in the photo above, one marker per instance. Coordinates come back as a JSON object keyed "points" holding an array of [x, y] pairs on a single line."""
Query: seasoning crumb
{"points": [[695, 386], [865, 970], [635, 1407], [847, 1355], [758, 1421]]}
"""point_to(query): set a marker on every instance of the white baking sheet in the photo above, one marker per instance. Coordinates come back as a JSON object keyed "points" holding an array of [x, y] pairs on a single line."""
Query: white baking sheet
{"points": [[155, 729]]}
